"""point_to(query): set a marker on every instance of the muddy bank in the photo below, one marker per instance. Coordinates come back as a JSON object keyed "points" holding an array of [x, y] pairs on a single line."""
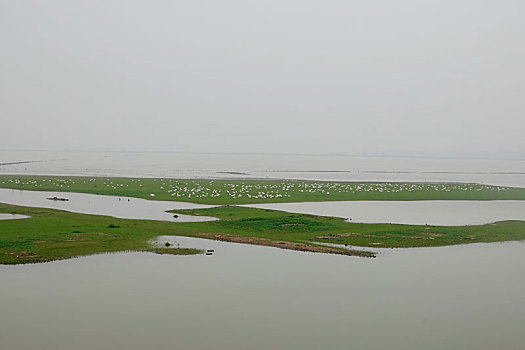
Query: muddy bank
{"points": [[285, 245]]}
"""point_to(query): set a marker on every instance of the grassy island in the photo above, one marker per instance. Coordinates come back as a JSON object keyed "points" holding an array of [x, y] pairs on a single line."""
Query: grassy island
{"points": [[53, 234], [249, 191]]}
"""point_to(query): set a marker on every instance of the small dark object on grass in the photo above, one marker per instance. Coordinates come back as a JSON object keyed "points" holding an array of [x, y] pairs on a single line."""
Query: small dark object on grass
{"points": [[113, 226]]}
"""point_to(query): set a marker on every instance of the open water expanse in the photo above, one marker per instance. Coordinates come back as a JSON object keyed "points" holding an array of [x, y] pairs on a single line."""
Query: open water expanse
{"points": [[253, 297]]}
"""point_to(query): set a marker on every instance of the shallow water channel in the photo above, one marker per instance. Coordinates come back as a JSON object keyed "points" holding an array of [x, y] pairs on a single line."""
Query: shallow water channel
{"points": [[12, 216], [119, 207], [253, 297], [409, 212], [443, 213]]}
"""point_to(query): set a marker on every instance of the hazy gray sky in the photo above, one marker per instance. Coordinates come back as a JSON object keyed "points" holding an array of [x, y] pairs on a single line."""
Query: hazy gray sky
{"points": [[406, 77]]}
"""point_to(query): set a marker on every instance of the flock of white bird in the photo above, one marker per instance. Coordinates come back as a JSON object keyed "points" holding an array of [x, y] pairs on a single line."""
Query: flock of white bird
{"points": [[187, 189]]}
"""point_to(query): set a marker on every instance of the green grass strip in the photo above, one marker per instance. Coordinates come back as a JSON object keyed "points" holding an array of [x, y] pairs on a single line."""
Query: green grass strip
{"points": [[223, 192]]}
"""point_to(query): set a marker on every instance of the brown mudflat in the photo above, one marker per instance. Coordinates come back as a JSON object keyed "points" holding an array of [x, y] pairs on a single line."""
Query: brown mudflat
{"points": [[286, 245]]}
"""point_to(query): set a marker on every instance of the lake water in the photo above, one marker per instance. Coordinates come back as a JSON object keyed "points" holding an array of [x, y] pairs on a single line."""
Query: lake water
{"points": [[12, 216], [251, 297], [442, 213], [337, 168], [447, 213], [119, 207]]}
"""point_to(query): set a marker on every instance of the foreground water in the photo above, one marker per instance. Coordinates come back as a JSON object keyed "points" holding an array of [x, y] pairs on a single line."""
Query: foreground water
{"points": [[340, 168], [250, 297]]}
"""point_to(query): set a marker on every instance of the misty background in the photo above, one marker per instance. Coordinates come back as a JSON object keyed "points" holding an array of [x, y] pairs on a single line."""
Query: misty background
{"points": [[412, 78]]}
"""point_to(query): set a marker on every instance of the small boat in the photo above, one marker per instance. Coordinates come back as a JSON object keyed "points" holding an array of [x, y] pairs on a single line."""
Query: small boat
{"points": [[55, 198], [210, 251]]}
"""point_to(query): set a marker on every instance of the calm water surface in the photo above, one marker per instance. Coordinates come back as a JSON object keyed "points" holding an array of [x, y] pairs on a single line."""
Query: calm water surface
{"points": [[420, 212], [119, 207], [249, 297], [443, 213]]}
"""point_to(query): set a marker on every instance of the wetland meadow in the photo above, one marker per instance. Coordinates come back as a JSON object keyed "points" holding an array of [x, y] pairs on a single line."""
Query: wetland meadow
{"points": [[309, 261], [50, 234], [262, 175]]}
